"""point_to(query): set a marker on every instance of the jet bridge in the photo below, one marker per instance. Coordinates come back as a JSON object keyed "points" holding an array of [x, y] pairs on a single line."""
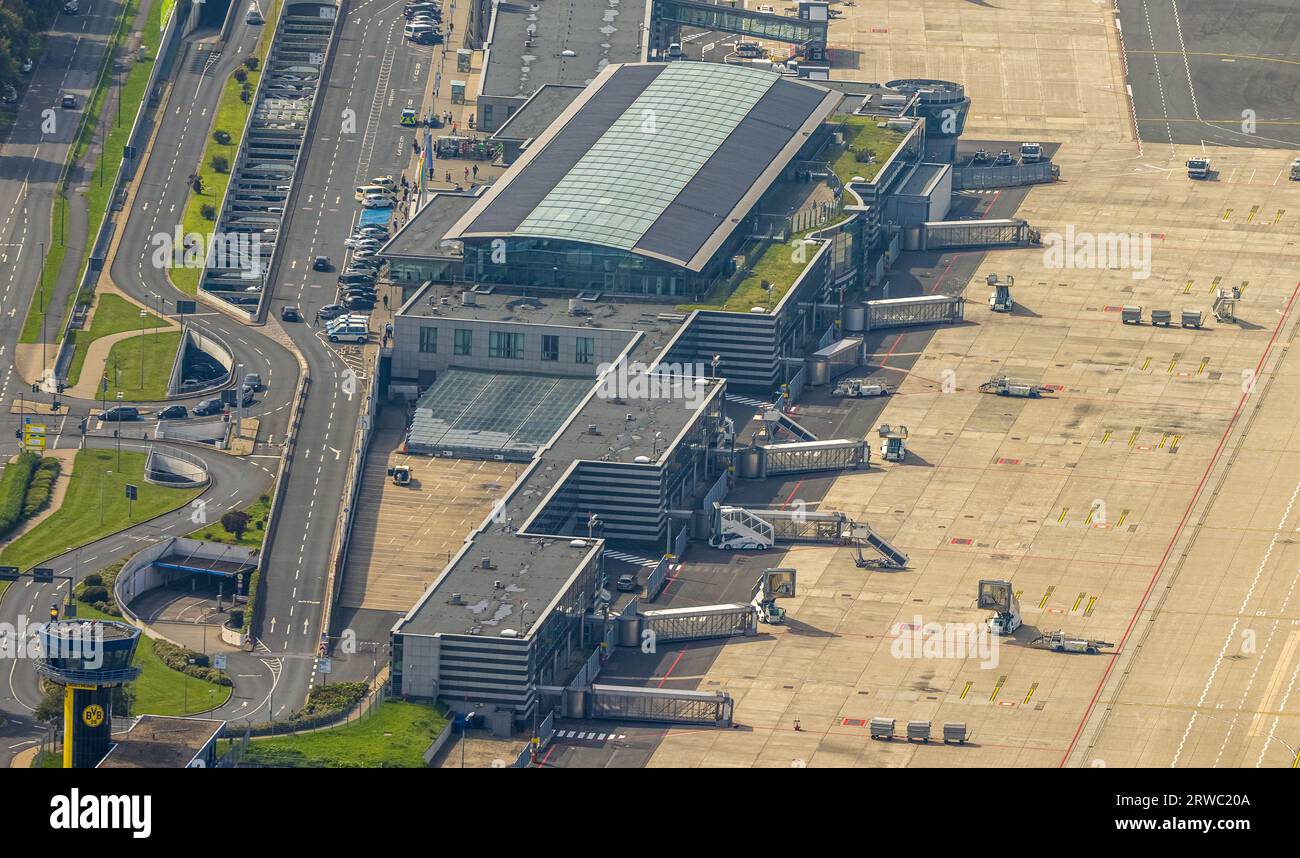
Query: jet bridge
{"points": [[799, 457], [953, 234], [809, 35]]}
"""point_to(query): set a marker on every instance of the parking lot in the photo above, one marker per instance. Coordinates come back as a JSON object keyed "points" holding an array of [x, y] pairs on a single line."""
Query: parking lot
{"points": [[402, 536]]}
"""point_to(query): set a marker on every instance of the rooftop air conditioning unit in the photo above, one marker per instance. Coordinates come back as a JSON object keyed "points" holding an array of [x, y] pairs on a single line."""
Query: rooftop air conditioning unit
{"points": [[468, 299]]}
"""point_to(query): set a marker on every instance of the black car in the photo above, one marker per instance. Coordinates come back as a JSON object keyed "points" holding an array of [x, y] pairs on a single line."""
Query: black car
{"points": [[290, 314], [208, 406], [321, 263], [359, 302], [331, 311], [173, 412], [356, 279], [120, 412], [428, 37]]}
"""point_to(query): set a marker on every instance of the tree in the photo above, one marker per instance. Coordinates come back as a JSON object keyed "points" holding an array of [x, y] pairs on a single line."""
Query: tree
{"points": [[222, 137], [208, 211], [235, 522], [220, 164]]}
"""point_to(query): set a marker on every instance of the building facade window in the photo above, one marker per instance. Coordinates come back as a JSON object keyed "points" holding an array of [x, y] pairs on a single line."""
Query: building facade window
{"points": [[464, 341], [505, 345], [586, 351], [428, 341], [550, 347]]}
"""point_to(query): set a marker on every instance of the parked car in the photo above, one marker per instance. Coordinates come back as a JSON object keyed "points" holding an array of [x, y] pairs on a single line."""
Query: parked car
{"points": [[9, 95], [330, 311], [208, 407], [365, 242], [321, 263], [290, 314], [119, 413], [359, 302], [384, 182], [356, 279], [71, 7], [377, 201], [174, 412], [427, 37], [626, 584]]}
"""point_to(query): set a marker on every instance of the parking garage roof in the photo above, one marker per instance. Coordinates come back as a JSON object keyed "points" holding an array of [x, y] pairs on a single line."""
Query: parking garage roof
{"points": [[661, 160]]}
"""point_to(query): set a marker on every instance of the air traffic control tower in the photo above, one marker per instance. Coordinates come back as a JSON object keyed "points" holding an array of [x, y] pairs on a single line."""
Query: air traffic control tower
{"points": [[944, 105], [88, 659]]}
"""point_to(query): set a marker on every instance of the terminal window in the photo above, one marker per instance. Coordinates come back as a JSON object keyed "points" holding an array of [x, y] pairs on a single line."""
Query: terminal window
{"points": [[464, 341], [586, 350], [550, 347], [504, 345], [428, 341]]}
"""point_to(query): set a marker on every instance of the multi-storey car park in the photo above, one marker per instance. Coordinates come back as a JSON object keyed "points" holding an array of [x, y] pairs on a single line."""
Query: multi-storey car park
{"points": [[684, 227]]}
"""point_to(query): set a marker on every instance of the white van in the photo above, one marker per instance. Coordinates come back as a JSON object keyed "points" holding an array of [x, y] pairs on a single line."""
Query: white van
{"points": [[374, 190], [349, 333], [410, 31], [347, 320]]}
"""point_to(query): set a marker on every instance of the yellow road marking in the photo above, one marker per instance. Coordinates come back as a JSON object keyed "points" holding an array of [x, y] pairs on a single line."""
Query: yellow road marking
{"points": [[1187, 290], [1088, 610], [1214, 284], [1174, 446], [1254, 210], [1227, 214], [1132, 439], [1163, 438], [1105, 438], [1277, 218], [1173, 362], [997, 688], [1077, 600], [1146, 363], [965, 691], [1061, 517], [1048, 595], [1204, 362], [1244, 284], [1032, 688], [1123, 515]]}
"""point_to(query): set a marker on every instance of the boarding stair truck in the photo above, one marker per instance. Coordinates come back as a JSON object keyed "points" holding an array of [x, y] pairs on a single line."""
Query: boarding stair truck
{"points": [[1062, 642], [1198, 168], [998, 596], [890, 556], [1000, 298], [1031, 153], [1003, 386], [860, 387], [736, 528], [1225, 304], [893, 446]]}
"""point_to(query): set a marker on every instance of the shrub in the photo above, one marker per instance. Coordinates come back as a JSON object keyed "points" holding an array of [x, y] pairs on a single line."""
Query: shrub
{"points": [[94, 579], [13, 490], [220, 164], [93, 594], [250, 62], [178, 659], [236, 618], [331, 699], [208, 211], [235, 522], [241, 75], [41, 487], [222, 137]]}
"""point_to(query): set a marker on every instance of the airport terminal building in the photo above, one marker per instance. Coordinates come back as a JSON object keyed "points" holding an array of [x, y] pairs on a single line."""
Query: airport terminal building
{"points": [[695, 224]]}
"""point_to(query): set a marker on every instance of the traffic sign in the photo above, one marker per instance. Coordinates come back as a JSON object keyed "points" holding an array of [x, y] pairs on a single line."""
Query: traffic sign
{"points": [[219, 661], [324, 665], [8, 573], [42, 575], [132, 492]]}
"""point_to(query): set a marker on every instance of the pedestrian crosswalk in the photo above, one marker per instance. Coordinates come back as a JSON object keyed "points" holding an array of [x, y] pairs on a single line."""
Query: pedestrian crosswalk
{"points": [[982, 190], [634, 559], [581, 736], [745, 400]]}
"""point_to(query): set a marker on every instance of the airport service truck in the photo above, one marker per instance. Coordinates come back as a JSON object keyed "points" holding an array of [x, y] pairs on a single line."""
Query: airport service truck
{"points": [[1198, 168], [1031, 153]]}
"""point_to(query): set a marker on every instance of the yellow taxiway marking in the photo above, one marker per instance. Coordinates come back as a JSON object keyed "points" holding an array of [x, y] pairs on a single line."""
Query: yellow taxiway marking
{"points": [[1123, 515], [1132, 439], [1277, 218], [1105, 438], [1077, 600], [1048, 595], [1227, 213], [1173, 446], [1087, 612], [1250, 216], [1064, 511], [1146, 363], [965, 691], [1205, 361], [1187, 290], [997, 688], [1032, 688], [1214, 284]]}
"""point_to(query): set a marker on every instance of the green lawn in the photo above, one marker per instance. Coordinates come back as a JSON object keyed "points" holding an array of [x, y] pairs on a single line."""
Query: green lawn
{"points": [[395, 736], [231, 116], [113, 315], [154, 354], [861, 132], [99, 187], [780, 265], [161, 690], [96, 474], [253, 537]]}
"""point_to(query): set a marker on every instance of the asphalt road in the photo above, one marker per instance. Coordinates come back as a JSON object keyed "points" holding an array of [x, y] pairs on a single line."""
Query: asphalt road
{"points": [[31, 161], [1202, 70]]}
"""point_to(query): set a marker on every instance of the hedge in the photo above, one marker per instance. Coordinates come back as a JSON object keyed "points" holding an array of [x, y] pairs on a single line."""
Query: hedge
{"points": [[41, 487], [13, 490], [178, 658]]}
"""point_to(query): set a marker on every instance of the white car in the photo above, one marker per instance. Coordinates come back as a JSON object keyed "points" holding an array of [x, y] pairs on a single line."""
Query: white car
{"points": [[378, 201], [361, 242], [385, 182]]}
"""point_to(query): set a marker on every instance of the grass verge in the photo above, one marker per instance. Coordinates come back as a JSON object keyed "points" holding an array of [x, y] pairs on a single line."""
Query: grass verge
{"points": [[258, 513], [95, 506], [13, 490], [231, 116], [113, 315], [140, 367], [395, 736]]}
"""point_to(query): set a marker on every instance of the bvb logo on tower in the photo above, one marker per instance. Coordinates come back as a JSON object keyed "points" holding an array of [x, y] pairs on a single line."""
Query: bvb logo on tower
{"points": [[93, 715]]}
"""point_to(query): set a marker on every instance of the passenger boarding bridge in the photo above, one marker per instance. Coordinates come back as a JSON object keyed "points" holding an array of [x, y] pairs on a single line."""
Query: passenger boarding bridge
{"points": [[809, 35]]}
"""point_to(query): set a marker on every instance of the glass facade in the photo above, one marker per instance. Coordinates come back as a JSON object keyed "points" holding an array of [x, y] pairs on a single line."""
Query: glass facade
{"points": [[505, 345], [586, 350], [550, 347], [464, 341]]}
